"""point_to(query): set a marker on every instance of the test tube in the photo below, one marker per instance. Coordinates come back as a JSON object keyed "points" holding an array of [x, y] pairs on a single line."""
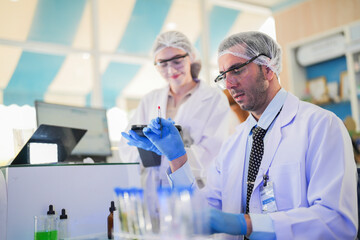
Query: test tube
{"points": [[166, 213], [183, 213], [147, 219], [120, 208], [159, 116]]}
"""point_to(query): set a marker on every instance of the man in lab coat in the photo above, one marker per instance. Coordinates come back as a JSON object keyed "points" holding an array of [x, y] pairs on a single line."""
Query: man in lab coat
{"points": [[305, 186]]}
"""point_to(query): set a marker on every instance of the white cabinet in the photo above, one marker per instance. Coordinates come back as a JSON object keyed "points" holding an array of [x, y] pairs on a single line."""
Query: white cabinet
{"points": [[325, 69], [84, 190]]}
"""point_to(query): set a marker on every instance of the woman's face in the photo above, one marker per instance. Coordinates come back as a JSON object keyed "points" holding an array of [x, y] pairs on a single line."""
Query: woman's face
{"points": [[174, 65]]}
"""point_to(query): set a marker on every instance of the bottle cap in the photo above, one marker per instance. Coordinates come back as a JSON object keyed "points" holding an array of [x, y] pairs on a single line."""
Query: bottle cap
{"points": [[63, 214], [51, 210], [112, 207]]}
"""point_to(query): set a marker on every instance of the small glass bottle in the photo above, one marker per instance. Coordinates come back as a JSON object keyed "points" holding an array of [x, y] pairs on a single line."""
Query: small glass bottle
{"points": [[63, 227], [110, 220], [51, 224]]}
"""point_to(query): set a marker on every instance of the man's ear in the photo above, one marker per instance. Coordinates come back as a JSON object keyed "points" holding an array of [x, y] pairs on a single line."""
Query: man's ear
{"points": [[268, 73]]}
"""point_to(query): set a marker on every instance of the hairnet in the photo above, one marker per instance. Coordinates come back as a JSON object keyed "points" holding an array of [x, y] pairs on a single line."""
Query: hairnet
{"points": [[178, 40], [249, 44]]}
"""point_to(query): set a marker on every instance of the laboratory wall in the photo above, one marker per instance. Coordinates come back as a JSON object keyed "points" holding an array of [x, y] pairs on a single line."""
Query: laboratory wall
{"points": [[309, 18]]}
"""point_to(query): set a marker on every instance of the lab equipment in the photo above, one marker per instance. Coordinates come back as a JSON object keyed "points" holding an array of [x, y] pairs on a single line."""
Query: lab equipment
{"points": [[182, 213], [45, 226], [96, 142], [166, 210], [183, 216], [159, 116], [66, 139], [110, 220], [171, 144], [178, 214], [63, 225], [149, 154], [51, 221], [42, 153], [41, 229], [133, 213], [137, 138]]}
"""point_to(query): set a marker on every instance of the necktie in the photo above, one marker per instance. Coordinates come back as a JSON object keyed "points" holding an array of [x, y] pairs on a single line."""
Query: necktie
{"points": [[257, 151]]}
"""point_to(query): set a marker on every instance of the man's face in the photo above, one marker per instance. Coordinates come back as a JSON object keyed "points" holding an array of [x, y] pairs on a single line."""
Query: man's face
{"points": [[246, 85]]}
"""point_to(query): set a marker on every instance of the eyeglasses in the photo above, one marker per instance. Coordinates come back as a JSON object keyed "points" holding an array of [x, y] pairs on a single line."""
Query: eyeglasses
{"points": [[237, 70], [176, 62]]}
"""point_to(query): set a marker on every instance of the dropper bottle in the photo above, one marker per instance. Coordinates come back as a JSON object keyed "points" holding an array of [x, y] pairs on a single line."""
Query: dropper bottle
{"points": [[110, 220], [63, 225], [51, 223]]}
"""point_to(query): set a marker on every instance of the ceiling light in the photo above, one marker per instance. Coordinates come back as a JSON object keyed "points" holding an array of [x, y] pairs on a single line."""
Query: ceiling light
{"points": [[171, 26]]}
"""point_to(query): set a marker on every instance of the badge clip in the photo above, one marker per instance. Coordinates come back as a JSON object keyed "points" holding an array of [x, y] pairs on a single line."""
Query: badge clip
{"points": [[265, 178]]}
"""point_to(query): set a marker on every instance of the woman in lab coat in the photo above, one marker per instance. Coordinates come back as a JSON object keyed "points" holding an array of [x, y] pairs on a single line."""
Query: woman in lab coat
{"points": [[201, 111]]}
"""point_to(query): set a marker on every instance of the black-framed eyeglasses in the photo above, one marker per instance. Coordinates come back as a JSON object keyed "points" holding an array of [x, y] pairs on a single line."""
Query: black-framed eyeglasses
{"points": [[222, 76], [160, 63]]}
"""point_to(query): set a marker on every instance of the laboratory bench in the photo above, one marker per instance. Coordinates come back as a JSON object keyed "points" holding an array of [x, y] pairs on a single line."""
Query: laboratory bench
{"points": [[84, 190]]}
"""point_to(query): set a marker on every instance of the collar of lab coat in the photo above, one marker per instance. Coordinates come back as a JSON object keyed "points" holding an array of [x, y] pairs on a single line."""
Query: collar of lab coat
{"points": [[197, 91], [287, 114], [200, 94]]}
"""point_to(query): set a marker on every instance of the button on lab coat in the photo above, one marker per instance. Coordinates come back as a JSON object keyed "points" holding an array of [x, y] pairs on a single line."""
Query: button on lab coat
{"points": [[309, 158]]}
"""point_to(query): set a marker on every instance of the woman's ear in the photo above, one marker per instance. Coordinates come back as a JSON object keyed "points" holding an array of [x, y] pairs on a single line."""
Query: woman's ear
{"points": [[192, 57]]}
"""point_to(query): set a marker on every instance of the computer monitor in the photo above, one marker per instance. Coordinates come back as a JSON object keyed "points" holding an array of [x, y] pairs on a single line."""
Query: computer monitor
{"points": [[95, 143]]}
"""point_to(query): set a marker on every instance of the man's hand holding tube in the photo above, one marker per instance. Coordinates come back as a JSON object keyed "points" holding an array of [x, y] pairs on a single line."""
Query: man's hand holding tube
{"points": [[169, 142]]}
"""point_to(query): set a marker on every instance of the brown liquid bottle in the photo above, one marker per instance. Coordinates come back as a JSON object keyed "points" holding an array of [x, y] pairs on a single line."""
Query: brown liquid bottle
{"points": [[110, 221]]}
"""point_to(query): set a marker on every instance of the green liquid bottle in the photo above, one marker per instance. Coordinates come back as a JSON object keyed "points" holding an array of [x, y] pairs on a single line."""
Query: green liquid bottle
{"points": [[51, 224], [41, 236]]}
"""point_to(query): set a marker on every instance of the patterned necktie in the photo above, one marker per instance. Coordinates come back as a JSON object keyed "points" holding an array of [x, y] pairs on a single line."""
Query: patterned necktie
{"points": [[257, 151]]}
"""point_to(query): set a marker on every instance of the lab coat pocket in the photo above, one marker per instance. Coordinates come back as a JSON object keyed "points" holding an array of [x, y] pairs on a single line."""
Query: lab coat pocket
{"points": [[192, 133], [287, 188]]}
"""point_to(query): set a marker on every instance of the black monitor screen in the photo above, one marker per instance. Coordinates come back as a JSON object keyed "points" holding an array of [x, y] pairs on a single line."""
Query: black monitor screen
{"points": [[96, 140]]}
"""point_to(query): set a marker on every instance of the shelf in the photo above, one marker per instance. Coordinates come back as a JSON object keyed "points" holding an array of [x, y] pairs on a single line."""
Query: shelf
{"points": [[332, 69]]}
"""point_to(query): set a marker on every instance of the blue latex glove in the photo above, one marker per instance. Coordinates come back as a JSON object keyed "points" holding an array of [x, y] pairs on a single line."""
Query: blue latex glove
{"points": [[221, 222], [140, 142], [165, 137]]}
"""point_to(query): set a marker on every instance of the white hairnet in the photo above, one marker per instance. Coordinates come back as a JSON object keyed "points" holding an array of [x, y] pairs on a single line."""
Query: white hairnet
{"points": [[172, 39], [250, 44], [178, 40]]}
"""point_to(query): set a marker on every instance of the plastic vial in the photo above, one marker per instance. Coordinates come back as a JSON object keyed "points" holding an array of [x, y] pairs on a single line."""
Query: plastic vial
{"points": [[110, 220], [166, 203], [51, 224], [63, 227], [183, 213], [122, 211]]}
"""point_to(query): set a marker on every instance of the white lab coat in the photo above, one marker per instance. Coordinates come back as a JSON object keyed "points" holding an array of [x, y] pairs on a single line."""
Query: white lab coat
{"points": [[204, 119], [309, 158]]}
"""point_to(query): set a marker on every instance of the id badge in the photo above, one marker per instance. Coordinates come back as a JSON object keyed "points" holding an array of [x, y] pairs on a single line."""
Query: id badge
{"points": [[268, 203]]}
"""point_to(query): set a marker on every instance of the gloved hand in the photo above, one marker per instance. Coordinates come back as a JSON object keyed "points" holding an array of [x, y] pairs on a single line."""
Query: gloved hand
{"points": [[165, 137], [222, 222], [139, 141]]}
